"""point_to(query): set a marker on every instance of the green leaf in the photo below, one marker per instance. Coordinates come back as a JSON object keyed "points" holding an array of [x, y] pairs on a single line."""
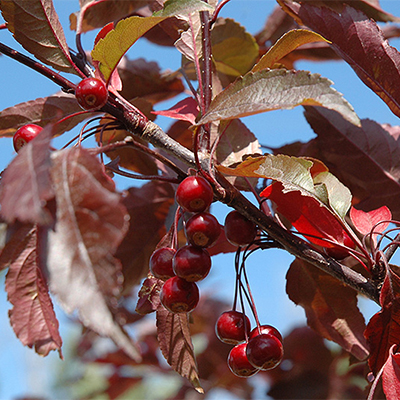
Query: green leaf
{"points": [[182, 7], [109, 50], [269, 90], [287, 43], [35, 25], [234, 50]]}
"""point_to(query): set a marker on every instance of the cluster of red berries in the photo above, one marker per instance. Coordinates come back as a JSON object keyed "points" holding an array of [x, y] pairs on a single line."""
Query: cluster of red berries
{"points": [[253, 351], [182, 268]]}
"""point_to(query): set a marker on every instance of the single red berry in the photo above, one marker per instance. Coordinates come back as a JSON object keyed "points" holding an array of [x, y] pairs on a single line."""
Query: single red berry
{"points": [[238, 229], [231, 327], [267, 330], [25, 134], [264, 351], [91, 93], [194, 194], [178, 295], [192, 263], [161, 263], [339, 253], [202, 230], [239, 363]]}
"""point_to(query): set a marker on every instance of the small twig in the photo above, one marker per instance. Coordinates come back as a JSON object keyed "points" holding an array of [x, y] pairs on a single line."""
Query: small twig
{"points": [[217, 10]]}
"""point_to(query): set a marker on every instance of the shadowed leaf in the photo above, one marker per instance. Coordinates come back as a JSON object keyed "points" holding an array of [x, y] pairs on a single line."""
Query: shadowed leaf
{"points": [[26, 187], [176, 345], [36, 27], [41, 112], [330, 307], [269, 90], [91, 223], [360, 42], [383, 328], [32, 316], [185, 7], [391, 375]]}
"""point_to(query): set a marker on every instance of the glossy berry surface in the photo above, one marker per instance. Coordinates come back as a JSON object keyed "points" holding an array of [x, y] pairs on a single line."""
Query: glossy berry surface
{"points": [[161, 263], [231, 328], [339, 253], [194, 194], [266, 329], [192, 263], [178, 295], [91, 93], [264, 351], [238, 229], [238, 362], [25, 134], [202, 230]]}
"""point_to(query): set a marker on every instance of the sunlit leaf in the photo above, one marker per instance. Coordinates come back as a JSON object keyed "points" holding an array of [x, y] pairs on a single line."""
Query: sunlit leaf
{"points": [[376, 220], [360, 42], [91, 223], [330, 306], [287, 43], [176, 345], [109, 51], [269, 90], [35, 25], [185, 7]]}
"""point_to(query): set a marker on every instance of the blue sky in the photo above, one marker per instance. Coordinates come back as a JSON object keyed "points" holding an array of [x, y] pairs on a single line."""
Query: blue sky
{"points": [[22, 372]]}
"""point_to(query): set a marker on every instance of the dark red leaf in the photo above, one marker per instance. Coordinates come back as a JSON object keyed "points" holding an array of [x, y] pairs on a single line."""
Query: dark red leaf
{"points": [[330, 306], [176, 345], [32, 316], [26, 185], [149, 299], [91, 223], [360, 42], [391, 375], [383, 328], [344, 147]]}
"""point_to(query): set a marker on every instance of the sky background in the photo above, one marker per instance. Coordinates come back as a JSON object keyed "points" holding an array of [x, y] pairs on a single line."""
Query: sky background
{"points": [[22, 372]]}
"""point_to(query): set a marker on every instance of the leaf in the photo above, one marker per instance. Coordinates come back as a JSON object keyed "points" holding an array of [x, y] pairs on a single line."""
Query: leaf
{"points": [[331, 307], [144, 79], [148, 297], [176, 345], [35, 25], [391, 375], [185, 110], [234, 50], [109, 51], [91, 223], [365, 222], [269, 90], [32, 316], [287, 43], [344, 147], [360, 42], [42, 111], [97, 13], [26, 187], [182, 7], [148, 207], [383, 331]]}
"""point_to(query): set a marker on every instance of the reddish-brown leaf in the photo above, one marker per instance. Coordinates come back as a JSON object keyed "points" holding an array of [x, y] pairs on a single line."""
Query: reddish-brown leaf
{"points": [[148, 207], [35, 25], [383, 328], [26, 185], [41, 112], [344, 147], [360, 42], [330, 306], [32, 316], [149, 299], [391, 375], [176, 345], [91, 223]]}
